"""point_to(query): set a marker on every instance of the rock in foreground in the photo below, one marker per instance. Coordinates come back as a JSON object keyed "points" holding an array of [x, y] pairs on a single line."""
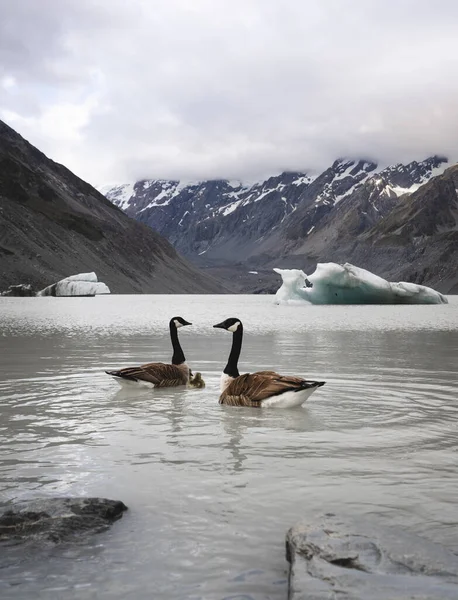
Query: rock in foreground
{"points": [[57, 519], [358, 561]]}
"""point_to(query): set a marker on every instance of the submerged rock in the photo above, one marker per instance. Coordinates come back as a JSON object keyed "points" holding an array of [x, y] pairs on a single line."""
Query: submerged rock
{"points": [[358, 561], [22, 289], [57, 519]]}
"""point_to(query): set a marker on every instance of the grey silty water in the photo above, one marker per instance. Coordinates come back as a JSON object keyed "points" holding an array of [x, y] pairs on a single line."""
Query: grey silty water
{"points": [[211, 489]]}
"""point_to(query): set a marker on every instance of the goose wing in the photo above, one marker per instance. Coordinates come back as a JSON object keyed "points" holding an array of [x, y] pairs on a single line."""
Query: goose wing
{"points": [[252, 388], [266, 373], [159, 374]]}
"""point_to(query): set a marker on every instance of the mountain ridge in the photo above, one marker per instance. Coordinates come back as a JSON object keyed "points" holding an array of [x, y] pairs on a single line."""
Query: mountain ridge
{"points": [[289, 220], [53, 224]]}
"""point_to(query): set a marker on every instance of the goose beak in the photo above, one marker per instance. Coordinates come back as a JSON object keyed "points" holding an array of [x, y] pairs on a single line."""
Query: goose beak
{"points": [[220, 325], [186, 323]]}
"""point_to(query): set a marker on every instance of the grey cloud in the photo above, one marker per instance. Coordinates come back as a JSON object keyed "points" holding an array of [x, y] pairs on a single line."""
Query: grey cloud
{"points": [[219, 88]]}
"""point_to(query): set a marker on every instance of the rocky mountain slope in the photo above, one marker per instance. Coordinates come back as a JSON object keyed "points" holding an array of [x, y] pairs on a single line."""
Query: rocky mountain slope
{"points": [[53, 224], [298, 219], [418, 239], [411, 237]]}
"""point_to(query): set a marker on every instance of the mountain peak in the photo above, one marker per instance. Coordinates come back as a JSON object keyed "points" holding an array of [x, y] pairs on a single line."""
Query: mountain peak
{"points": [[353, 166], [221, 218]]}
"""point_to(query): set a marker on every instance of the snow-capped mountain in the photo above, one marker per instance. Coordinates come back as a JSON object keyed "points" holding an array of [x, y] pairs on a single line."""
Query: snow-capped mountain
{"points": [[418, 239], [191, 215], [230, 222], [362, 188]]}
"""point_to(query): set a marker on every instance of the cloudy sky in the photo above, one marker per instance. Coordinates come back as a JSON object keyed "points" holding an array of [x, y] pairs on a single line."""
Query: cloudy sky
{"points": [[120, 90]]}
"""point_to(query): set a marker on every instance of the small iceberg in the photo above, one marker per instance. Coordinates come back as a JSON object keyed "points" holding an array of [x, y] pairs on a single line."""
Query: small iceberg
{"points": [[346, 284], [22, 289], [83, 284]]}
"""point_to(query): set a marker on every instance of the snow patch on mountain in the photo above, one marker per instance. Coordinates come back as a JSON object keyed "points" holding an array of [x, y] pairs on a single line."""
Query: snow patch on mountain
{"points": [[120, 194], [304, 179], [397, 180], [351, 175], [227, 210], [344, 177]]}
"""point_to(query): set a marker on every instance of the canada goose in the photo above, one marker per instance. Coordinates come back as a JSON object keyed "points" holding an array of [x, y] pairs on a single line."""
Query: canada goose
{"points": [[263, 388], [159, 374]]}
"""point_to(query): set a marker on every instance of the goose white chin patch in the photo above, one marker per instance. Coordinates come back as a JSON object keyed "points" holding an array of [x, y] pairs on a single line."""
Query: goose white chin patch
{"points": [[233, 328], [177, 323]]}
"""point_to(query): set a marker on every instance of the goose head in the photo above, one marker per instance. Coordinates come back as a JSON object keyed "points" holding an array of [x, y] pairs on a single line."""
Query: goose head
{"points": [[231, 324], [178, 322]]}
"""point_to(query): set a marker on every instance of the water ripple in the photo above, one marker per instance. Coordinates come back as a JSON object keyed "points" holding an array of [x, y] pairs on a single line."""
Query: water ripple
{"points": [[212, 489]]}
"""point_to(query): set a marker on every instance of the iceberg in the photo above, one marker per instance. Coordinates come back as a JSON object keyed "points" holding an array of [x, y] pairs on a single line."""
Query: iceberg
{"points": [[83, 284], [21, 289], [332, 283]]}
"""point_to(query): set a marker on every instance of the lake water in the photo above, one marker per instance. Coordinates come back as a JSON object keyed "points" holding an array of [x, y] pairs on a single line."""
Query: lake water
{"points": [[211, 489]]}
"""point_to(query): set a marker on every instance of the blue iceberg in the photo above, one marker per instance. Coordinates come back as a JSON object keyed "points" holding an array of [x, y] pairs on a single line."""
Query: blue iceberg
{"points": [[346, 284]]}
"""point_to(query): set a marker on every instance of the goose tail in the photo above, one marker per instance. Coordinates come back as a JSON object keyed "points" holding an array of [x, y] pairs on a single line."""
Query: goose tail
{"points": [[311, 384], [120, 375]]}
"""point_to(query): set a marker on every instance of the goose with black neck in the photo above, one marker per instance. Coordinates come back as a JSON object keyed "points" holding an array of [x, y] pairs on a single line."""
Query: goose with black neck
{"points": [[263, 388], [160, 374]]}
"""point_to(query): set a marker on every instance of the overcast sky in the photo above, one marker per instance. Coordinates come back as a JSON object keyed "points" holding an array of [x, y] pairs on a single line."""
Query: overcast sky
{"points": [[119, 90]]}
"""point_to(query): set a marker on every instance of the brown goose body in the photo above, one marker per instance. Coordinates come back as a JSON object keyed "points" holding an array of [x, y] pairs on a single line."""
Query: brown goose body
{"points": [[268, 388], [263, 388], [159, 374], [154, 374]]}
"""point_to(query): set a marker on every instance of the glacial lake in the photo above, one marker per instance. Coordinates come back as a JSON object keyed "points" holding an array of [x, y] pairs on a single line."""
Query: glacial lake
{"points": [[212, 490]]}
